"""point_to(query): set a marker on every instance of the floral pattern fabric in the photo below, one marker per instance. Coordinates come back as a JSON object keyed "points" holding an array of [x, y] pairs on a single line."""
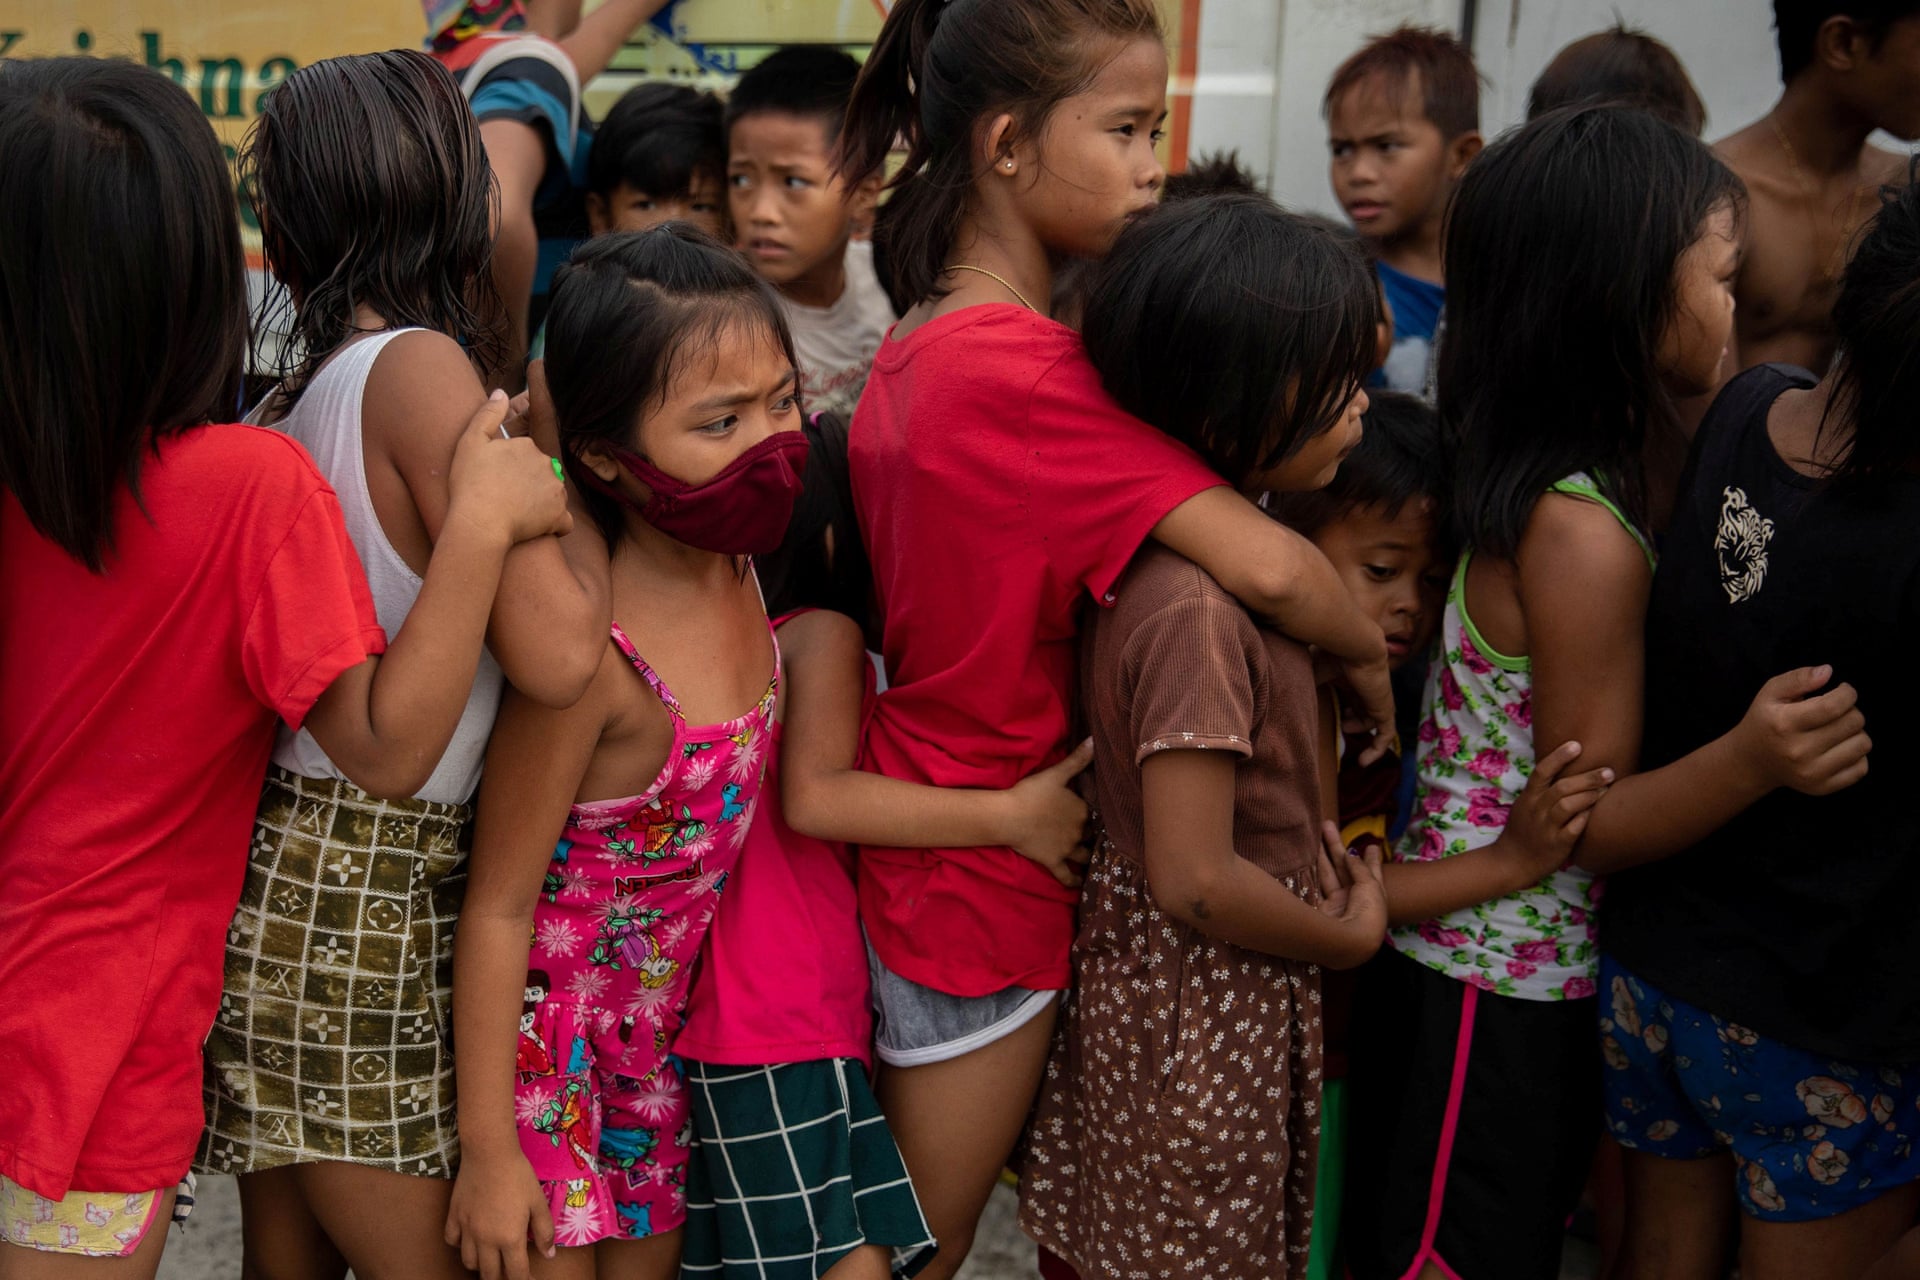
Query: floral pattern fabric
{"points": [[600, 1103], [1476, 752]]}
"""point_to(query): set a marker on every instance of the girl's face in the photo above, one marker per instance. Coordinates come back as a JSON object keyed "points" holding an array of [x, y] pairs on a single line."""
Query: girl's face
{"points": [[1695, 341], [1092, 166], [1312, 466]]}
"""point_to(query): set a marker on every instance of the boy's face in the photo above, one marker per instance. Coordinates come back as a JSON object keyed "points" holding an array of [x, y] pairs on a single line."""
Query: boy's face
{"points": [[628, 208], [1391, 565], [1391, 167], [791, 213]]}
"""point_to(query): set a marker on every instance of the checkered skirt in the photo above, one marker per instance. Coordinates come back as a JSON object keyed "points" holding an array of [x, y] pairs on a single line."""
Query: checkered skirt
{"points": [[332, 1040], [794, 1168]]}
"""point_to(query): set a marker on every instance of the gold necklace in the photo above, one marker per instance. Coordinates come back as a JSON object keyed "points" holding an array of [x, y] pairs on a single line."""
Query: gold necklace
{"points": [[1838, 258], [961, 266]]}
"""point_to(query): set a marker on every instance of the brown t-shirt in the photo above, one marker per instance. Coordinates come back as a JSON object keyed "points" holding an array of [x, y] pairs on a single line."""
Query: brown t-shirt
{"points": [[1177, 664]]}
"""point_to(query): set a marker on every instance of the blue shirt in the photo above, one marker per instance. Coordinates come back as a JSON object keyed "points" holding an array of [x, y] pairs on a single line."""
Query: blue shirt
{"points": [[1416, 307]]}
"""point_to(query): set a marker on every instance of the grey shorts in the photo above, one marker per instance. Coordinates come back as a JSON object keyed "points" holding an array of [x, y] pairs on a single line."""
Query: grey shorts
{"points": [[914, 1026]]}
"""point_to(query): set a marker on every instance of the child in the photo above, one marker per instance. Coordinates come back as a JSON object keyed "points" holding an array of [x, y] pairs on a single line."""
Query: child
{"points": [[659, 156], [1210, 902], [219, 594], [1758, 1001], [1849, 67], [384, 253], [1403, 123], [1624, 66], [997, 484], [1473, 1084], [793, 217], [673, 382]]}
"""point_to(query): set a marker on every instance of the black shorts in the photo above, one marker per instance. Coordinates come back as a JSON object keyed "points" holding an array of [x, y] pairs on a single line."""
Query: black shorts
{"points": [[1472, 1123]]}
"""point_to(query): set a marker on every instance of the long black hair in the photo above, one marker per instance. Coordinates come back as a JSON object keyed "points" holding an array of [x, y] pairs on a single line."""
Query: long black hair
{"points": [[123, 293], [938, 68], [373, 189], [1235, 327], [1876, 384], [1561, 246], [628, 310]]}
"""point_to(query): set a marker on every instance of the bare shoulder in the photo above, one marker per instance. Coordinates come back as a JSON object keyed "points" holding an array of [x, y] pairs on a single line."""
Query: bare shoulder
{"points": [[1882, 168], [819, 634], [1744, 148], [422, 391], [1581, 543]]}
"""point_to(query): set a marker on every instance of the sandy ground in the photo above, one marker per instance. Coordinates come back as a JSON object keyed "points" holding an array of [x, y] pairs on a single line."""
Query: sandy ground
{"points": [[208, 1247]]}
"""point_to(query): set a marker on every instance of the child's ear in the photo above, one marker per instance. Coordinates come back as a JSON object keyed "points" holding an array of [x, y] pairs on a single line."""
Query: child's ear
{"points": [[862, 201], [599, 461], [997, 140], [1841, 44], [1461, 151], [597, 219]]}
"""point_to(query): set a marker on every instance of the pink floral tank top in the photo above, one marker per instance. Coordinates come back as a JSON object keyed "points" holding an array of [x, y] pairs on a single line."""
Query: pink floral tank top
{"points": [[1476, 752], [632, 888]]}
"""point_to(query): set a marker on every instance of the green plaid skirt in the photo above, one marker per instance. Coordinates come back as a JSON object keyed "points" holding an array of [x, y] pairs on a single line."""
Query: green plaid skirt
{"points": [[793, 1168], [332, 1040]]}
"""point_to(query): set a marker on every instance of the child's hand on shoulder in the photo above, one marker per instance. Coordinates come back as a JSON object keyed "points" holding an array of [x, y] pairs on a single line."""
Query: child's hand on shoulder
{"points": [[1550, 815], [505, 485], [1354, 895], [1795, 736], [498, 1209], [1047, 820]]}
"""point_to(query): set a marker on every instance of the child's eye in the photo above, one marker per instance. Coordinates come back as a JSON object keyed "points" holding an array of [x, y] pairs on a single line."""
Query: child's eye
{"points": [[786, 404], [739, 181], [721, 427], [797, 182], [705, 206], [1158, 136], [1341, 150], [1381, 573]]}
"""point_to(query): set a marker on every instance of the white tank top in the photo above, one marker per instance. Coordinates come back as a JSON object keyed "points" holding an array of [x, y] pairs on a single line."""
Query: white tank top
{"points": [[326, 420]]}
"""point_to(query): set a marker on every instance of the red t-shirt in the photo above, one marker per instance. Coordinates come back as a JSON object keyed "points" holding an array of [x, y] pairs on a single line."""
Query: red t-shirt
{"points": [[137, 709], [996, 483]]}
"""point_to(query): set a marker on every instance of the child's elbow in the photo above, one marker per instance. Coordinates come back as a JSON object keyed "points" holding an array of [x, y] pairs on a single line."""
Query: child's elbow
{"points": [[561, 678], [388, 780], [1191, 895]]}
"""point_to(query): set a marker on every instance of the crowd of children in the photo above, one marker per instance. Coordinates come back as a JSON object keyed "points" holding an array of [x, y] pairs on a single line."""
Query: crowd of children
{"points": [[907, 690]]}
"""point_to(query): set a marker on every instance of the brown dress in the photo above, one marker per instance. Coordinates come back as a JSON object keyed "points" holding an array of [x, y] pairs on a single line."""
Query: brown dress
{"points": [[1178, 1126]]}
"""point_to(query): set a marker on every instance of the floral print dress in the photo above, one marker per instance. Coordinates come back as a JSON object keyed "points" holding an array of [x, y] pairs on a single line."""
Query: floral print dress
{"points": [[1476, 752]]}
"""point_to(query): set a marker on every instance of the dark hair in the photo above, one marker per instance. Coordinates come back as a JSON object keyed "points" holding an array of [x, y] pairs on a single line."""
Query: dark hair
{"points": [[1210, 174], [1560, 250], [1397, 461], [938, 67], [1449, 82], [122, 288], [1877, 318], [658, 138], [797, 80], [1235, 327], [627, 310], [1622, 66], [1797, 23], [373, 189]]}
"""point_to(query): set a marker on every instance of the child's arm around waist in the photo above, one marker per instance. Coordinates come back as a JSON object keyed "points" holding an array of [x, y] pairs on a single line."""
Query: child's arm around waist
{"points": [[387, 721]]}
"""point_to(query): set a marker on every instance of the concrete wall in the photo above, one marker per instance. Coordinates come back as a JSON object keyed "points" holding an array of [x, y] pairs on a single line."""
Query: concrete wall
{"points": [[1264, 65]]}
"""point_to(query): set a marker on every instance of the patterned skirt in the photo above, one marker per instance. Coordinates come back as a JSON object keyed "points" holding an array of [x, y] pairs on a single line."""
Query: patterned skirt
{"points": [[333, 1036]]}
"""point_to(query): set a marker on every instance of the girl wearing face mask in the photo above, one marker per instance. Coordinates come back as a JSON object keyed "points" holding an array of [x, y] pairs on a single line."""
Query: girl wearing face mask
{"points": [[607, 830]]}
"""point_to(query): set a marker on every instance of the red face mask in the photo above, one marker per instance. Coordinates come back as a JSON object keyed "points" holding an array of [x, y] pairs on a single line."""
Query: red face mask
{"points": [[743, 511]]}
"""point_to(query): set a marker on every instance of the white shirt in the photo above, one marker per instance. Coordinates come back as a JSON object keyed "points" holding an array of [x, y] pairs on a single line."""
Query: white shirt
{"points": [[836, 343]]}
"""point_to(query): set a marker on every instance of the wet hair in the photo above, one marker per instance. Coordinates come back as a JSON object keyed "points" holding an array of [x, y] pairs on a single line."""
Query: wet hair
{"points": [[939, 68], [122, 286], [1796, 25], [628, 311], [1622, 66], [1397, 461], [1449, 82], [1216, 172], [797, 80], [1235, 327], [658, 138], [1561, 249], [373, 190], [1876, 382]]}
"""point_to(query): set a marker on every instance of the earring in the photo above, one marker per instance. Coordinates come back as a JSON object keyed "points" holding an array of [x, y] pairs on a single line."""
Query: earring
{"points": [[1007, 164]]}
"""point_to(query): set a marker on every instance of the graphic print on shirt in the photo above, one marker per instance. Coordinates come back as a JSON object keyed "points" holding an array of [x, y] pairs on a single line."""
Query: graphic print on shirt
{"points": [[1741, 543]]}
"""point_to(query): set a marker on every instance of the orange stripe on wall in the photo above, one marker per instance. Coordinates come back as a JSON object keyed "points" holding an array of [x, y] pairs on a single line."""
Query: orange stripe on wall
{"points": [[1186, 69]]}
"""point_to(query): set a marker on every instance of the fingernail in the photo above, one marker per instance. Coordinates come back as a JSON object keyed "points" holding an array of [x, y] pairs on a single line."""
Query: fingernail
{"points": [[551, 1251], [496, 394], [1606, 775]]}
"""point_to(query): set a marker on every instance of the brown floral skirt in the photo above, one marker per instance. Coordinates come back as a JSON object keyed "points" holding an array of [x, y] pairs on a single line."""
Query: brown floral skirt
{"points": [[1178, 1126]]}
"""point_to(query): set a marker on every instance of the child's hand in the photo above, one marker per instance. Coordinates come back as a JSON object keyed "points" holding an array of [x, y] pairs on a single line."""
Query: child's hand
{"points": [[1550, 816], [504, 485], [1047, 821], [1372, 706], [1815, 743], [1352, 893], [498, 1207]]}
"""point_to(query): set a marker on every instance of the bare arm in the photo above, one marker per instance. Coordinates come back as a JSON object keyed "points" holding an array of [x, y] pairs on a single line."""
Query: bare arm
{"points": [[549, 622], [1197, 877], [823, 795], [387, 721], [598, 36], [535, 762], [518, 156]]}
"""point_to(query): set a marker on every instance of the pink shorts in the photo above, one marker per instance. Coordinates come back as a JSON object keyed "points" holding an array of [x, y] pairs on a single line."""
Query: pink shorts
{"points": [[89, 1224]]}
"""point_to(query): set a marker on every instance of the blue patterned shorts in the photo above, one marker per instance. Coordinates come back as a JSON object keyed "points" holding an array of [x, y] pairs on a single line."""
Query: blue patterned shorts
{"points": [[1811, 1137]]}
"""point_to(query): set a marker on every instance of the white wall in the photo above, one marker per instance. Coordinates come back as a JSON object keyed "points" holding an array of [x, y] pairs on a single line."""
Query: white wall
{"points": [[1264, 65]]}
